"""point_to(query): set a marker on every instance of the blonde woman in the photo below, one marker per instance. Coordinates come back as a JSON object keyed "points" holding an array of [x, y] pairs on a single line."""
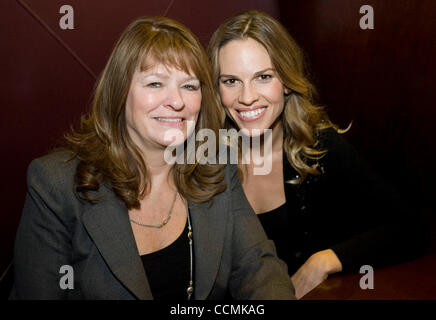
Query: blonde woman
{"points": [[322, 206], [110, 209]]}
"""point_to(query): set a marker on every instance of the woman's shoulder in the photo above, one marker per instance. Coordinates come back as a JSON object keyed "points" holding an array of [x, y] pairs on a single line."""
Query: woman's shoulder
{"points": [[56, 168], [334, 144], [341, 158], [329, 138]]}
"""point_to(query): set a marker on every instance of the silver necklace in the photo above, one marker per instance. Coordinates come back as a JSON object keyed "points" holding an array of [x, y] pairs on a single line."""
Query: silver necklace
{"points": [[163, 222], [190, 289]]}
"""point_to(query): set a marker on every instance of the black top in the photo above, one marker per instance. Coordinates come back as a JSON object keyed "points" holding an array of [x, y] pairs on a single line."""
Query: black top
{"points": [[168, 270], [277, 225], [347, 209], [281, 226]]}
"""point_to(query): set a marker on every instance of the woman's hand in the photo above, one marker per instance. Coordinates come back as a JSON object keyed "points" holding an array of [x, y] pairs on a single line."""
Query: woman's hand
{"points": [[314, 271]]}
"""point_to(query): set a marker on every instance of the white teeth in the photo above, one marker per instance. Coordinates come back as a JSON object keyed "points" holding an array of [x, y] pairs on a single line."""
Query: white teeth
{"points": [[252, 114], [170, 119]]}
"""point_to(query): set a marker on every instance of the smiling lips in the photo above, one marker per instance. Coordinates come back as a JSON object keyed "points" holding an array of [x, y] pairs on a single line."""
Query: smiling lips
{"points": [[170, 121], [251, 114]]}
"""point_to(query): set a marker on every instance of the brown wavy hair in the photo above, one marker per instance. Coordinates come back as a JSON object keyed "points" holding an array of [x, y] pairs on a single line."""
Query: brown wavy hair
{"points": [[301, 118], [107, 153]]}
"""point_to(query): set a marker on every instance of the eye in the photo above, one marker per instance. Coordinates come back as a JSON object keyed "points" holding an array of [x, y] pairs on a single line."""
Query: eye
{"points": [[264, 77], [154, 85], [229, 82], [191, 87]]}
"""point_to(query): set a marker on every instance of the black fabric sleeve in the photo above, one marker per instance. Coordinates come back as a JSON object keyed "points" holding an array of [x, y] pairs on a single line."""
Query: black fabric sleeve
{"points": [[385, 227]]}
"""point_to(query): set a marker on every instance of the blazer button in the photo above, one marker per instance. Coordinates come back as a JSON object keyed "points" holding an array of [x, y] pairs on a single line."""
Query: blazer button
{"points": [[297, 254]]}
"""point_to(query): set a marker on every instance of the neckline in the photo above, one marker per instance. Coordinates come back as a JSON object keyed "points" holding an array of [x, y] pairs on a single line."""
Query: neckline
{"points": [[273, 210], [169, 248]]}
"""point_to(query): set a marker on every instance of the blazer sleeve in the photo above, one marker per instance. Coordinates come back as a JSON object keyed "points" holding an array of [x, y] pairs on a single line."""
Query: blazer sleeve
{"points": [[42, 242], [257, 272]]}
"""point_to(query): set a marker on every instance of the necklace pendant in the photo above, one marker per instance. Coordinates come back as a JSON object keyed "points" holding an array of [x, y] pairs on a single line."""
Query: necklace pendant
{"points": [[190, 291]]}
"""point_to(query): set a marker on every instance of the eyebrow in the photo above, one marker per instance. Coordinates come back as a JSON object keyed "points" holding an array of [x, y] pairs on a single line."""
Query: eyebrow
{"points": [[166, 76], [255, 74], [156, 74]]}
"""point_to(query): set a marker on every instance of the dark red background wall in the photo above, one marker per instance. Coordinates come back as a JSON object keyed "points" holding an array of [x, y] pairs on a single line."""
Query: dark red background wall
{"points": [[382, 79]]}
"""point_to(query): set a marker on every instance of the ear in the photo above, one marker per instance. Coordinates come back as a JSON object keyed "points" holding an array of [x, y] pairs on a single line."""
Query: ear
{"points": [[287, 91]]}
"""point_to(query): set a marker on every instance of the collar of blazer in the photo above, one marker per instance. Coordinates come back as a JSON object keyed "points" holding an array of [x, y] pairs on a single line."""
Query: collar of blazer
{"points": [[108, 224]]}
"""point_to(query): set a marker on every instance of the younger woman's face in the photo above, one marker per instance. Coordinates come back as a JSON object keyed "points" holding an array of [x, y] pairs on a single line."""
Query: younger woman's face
{"points": [[249, 86], [160, 99]]}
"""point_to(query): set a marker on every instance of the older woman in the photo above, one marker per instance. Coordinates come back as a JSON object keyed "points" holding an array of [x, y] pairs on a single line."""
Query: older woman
{"points": [[322, 206], [109, 218]]}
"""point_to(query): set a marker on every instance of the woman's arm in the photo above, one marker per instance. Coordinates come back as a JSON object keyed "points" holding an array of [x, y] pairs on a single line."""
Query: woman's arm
{"points": [[382, 226], [257, 273], [42, 242], [314, 271], [388, 227]]}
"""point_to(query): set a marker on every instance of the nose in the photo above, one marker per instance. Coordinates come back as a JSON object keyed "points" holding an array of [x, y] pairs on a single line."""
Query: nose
{"points": [[175, 99], [248, 95]]}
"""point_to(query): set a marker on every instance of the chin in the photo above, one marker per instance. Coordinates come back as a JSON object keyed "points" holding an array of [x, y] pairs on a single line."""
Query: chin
{"points": [[251, 132], [173, 142], [171, 136], [254, 130]]}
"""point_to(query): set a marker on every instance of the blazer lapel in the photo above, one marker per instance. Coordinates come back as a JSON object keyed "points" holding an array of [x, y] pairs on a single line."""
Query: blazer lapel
{"points": [[209, 227], [108, 225]]}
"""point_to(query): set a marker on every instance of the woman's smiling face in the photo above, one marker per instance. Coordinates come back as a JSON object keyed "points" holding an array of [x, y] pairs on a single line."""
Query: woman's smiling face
{"points": [[249, 86], [160, 99]]}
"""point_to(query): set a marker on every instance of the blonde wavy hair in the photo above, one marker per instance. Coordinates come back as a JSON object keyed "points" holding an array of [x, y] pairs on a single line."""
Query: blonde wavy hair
{"points": [[107, 153], [301, 118]]}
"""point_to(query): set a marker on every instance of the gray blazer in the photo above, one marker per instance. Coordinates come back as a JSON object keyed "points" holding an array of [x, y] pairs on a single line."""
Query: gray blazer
{"points": [[231, 249]]}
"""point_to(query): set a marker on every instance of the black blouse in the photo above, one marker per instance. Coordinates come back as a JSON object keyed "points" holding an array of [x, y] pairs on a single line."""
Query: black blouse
{"points": [[277, 225], [284, 226], [168, 270]]}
